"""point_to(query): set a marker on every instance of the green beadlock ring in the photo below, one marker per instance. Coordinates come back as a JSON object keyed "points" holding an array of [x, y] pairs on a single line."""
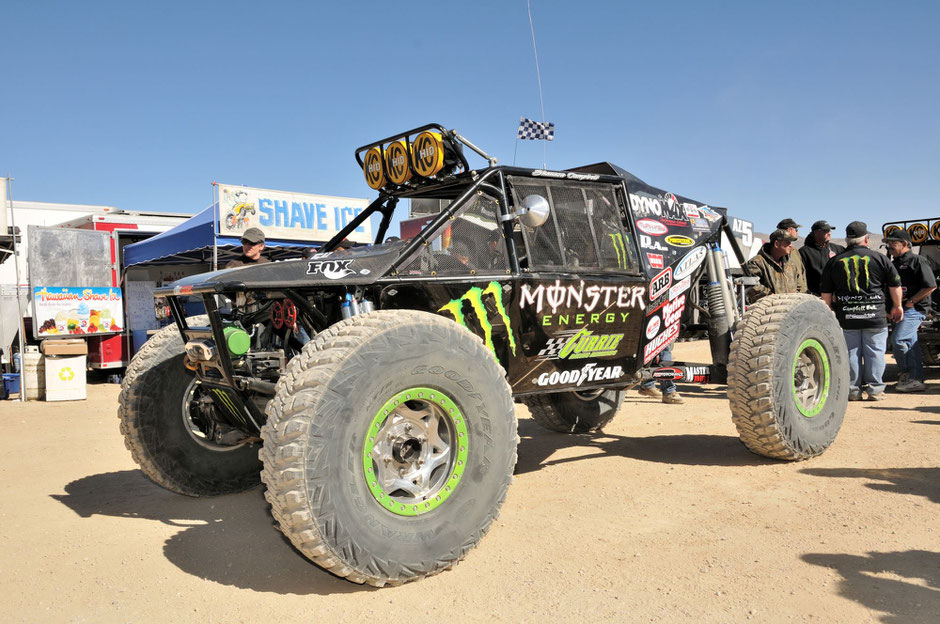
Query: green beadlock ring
{"points": [[813, 344], [461, 442]]}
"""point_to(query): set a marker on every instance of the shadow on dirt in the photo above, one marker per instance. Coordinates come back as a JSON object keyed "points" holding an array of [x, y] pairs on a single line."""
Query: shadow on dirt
{"points": [[226, 539], [917, 481], [537, 444], [929, 409], [904, 585]]}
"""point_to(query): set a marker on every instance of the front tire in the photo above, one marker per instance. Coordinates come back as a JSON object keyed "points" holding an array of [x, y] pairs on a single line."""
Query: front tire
{"points": [[389, 446], [575, 412], [788, 379], [163, 439]]}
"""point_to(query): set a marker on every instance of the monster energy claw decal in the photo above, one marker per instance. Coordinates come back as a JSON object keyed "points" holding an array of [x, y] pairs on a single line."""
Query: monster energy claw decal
{"points": [[476, 298], [857, 276]]}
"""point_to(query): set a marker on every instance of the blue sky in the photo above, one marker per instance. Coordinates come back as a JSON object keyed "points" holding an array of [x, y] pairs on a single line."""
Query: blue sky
{"points": [[803, 109]]}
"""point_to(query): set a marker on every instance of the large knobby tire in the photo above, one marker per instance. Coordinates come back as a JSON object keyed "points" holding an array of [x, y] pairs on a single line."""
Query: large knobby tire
{"points": [[574, 412], [788, 377], [389, 446], [157, 431]]}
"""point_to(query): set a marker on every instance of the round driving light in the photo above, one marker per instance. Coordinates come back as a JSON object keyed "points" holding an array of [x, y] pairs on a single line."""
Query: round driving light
{"points": [[428, 150], [918, 233], [372, 168], [396, 160]]}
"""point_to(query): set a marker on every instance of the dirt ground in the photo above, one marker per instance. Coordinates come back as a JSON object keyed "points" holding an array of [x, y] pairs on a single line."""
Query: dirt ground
{"points": [[663, 517]]}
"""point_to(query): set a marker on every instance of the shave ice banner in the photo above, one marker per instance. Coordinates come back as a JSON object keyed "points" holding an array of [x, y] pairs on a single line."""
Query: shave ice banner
{"points": [[289, 216], [77, 311]]}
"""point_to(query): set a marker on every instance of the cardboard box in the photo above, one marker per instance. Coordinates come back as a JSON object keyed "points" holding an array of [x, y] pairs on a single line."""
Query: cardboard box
{"points": [[68, 346]]}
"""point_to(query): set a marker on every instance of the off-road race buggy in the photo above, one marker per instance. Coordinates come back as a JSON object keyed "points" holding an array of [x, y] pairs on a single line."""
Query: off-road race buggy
{"points": [[925, 233], [372, 389]]}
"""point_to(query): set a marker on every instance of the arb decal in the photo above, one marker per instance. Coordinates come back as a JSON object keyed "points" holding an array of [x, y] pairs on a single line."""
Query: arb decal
{"points": [[660, 283]]}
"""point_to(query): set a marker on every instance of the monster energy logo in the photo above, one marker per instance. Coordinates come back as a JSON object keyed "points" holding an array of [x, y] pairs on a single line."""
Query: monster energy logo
{"points": [[858, 263], [617, 240], [474, 297], [584, 344]]}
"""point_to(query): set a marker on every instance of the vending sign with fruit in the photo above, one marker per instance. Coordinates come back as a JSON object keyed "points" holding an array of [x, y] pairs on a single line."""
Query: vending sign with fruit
{"points": [[77, 311]]}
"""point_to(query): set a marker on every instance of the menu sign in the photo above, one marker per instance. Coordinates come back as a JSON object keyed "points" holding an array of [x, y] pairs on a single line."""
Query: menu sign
{"points": [[77, 311]]}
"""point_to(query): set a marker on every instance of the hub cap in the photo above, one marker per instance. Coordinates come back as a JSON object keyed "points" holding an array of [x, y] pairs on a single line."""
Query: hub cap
{"points": [[810, 378], [415, 451]]}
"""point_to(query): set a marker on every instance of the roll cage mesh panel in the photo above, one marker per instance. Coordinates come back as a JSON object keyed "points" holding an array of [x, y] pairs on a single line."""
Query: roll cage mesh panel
{"points": [[471, 244], [584, 230]]}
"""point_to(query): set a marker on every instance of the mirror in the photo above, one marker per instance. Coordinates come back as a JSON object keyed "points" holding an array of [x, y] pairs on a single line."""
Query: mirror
{"points": [[534, 211]]}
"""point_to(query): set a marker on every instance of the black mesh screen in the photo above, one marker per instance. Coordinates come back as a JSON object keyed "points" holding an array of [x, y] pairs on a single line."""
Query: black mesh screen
{"points": [[471, 243], [616, 248], [569, 206], [541, 242], [584, 230]]}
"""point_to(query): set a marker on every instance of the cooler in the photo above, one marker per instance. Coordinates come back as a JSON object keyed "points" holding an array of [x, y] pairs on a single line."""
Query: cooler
{"points": [[66, 362]]}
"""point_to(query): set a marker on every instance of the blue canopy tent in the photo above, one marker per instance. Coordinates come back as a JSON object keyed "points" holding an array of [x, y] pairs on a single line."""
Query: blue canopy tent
{"points": [[195, 241]]}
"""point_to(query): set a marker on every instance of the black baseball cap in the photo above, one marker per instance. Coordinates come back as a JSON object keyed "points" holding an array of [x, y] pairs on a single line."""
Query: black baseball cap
{"points": [[821, 225], [781, 234], [856, 229], [788, 223], [899, 234], [253, 235]]}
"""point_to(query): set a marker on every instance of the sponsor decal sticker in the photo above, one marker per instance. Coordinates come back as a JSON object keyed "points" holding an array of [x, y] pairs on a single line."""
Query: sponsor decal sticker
{"points": [[660, 283], [581, 318], [330, 269], [589, 373], [673, 310], [659, 343], [581, 298], [580, 344], [647, 242], [653, 228], [476, 298], [679, 241], [667, 373], [656, 260], [680, 287], [690, 262], [652, 327]]}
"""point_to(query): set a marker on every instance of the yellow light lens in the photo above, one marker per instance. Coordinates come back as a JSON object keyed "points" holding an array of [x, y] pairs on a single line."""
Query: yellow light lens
{"points": [[428, 149], [372, 168], [918, 233], [396, 161]]}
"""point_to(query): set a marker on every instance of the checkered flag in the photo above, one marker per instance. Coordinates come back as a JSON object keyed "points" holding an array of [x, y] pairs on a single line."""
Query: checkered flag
{"points": [[533, 130]]}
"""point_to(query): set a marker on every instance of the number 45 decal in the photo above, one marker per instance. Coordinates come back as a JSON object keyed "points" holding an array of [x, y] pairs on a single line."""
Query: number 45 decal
{"points": [[745, 229]]}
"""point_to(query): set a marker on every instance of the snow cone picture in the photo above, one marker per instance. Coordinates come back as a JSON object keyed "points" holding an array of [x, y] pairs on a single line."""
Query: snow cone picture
{"points": [[83, 315]]}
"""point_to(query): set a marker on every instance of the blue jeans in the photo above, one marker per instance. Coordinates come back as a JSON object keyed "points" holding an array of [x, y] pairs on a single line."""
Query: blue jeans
{"points": [[666, 386], [906, 347], [866, 359]]}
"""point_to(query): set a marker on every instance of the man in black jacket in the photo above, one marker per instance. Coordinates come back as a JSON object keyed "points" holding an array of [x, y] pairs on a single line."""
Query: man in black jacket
{"points": [[815, 253], [917, 282]]}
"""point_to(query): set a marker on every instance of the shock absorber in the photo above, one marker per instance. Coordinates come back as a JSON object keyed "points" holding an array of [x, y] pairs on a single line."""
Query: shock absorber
{"points": [[720, 313]]}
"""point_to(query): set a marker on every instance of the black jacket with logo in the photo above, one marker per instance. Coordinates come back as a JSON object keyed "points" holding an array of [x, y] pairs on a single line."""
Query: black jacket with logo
{"points": [[815, 259], [858, 279], [916, 274]]}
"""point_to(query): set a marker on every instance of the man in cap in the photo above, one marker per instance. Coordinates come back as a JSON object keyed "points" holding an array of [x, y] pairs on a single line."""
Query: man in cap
{"points": [[252, 246], [917, 282], [779, 270], [858, 284], [815, 253], [790, 226]]}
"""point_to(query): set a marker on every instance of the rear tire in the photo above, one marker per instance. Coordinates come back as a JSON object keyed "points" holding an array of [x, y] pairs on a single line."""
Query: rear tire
{"points": [[788, 379], [575, 412], [389, 446], [156, 432]]}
